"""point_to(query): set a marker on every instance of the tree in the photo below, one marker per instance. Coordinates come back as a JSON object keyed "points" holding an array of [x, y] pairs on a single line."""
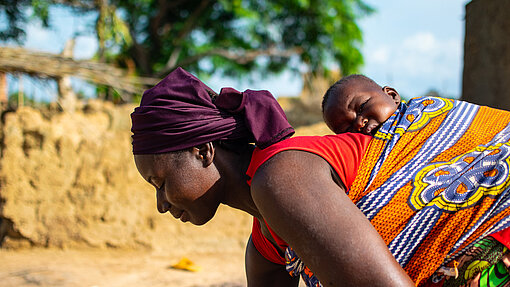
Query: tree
{"points": [[232, 37]]}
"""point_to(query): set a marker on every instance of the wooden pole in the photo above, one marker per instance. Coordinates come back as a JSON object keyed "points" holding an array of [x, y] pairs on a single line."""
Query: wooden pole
{"points": [[20, 90], [66, 95], [3, 89]]}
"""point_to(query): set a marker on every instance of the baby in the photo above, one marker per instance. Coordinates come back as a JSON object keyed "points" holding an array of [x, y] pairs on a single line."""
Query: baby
{"points": [[358, 104]]}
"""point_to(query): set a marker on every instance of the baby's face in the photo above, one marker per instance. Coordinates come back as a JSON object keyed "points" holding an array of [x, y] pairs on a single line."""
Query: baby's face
{"points": [[360, 110]]}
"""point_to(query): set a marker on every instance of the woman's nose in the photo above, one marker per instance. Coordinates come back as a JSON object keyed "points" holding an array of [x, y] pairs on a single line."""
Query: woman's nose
{"points": [[162, 205]]}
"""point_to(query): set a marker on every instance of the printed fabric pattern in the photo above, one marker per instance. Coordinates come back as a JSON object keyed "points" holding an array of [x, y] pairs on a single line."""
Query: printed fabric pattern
{"points": [[296, 267], [435, 181], [484, 256]]}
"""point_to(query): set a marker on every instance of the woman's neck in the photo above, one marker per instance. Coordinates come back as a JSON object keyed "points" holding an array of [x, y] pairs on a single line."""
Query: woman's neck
{"points": [[233, 167]]}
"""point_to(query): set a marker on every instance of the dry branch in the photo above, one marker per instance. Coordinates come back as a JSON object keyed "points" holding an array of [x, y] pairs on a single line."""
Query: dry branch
{"points": [[55, 66], [241, 57]]}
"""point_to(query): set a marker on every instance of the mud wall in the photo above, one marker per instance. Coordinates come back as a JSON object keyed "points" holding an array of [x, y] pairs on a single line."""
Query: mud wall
{"points": [[69, 181]]}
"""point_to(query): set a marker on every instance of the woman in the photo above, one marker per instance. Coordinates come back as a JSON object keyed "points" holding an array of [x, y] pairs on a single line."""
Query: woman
{"points": [[193, 148]]}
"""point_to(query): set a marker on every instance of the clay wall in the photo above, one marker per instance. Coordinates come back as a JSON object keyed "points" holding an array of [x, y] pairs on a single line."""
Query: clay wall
{"points": [[69, 181]]}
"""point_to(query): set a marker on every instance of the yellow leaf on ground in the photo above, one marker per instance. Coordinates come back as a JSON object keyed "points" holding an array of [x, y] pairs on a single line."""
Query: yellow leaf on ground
{"points": [[186, 264]]}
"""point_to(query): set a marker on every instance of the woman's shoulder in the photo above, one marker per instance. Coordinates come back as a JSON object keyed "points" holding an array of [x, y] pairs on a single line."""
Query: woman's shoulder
{"points": [[312, 143], [332, 148], [284, 172]]}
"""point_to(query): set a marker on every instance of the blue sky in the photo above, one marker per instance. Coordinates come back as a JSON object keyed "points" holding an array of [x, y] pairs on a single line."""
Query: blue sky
{"points": [[416, 46], [413, 46]]}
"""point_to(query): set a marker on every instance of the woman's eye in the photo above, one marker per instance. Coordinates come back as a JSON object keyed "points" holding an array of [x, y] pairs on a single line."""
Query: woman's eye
{"points": [[156, 184]]}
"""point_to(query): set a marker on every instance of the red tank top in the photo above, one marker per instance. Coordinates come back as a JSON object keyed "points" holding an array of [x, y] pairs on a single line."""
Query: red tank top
{"points": [[343, 152]]}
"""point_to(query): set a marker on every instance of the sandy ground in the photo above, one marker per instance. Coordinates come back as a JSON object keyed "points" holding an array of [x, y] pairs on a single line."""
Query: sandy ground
{"points": [[97, 268]]}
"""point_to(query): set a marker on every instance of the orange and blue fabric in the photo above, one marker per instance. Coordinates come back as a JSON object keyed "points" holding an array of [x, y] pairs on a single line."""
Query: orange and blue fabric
{"points": [[435, 181]]}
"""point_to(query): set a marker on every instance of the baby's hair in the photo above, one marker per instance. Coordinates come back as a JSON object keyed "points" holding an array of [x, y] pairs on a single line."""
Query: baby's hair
{"points": [[340, 84]]}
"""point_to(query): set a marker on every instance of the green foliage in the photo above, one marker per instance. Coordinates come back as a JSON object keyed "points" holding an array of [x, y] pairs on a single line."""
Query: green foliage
{"points": [[14, 99], [233, 37], [111, 30], [239, 36], [14, 15], [13, 19], [108, 94], [41, 11]]}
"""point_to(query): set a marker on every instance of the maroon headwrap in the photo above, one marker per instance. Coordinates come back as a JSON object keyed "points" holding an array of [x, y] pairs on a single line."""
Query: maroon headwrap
{"points": [[178, 113]]}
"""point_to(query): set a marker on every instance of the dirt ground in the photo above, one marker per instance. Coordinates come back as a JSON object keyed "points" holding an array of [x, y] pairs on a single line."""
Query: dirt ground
{"points": [[98, 268]]}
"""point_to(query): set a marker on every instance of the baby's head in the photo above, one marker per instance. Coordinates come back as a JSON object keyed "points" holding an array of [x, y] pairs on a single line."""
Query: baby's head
{"points": [[358, 104]]}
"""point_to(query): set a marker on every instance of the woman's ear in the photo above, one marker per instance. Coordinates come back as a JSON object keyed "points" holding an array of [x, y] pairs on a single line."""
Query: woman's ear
{"points": [[392, 93], [206, 153]]}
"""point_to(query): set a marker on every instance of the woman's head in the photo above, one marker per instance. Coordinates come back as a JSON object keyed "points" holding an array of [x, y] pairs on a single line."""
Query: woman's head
{"points": [[187, 183], [173, 133], [358, 104], [179, 113]]}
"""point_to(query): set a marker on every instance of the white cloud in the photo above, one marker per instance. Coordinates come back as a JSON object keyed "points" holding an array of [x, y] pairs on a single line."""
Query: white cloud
{"points": [[380, 55], [425, 55], [423, 52], [417, 63], [421, 42]]}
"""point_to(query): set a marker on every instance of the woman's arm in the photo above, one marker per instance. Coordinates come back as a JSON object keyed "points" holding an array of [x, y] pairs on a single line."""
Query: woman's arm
{"points": [[297, 196], [262, 272]]}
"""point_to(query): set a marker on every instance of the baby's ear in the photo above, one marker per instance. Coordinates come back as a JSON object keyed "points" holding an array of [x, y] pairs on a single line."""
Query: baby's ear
{"points": [[392, 93]]}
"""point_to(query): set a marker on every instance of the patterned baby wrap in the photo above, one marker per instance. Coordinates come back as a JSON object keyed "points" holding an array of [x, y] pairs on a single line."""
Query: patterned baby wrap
{"points": [[433, 182]]}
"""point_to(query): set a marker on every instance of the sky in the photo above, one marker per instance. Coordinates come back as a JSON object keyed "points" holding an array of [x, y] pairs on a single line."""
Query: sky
{"points": [[413, 46], [416, 46]]}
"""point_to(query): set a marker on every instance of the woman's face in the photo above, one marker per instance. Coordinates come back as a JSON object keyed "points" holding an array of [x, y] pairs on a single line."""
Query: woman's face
{"points": [[185, 186]]}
